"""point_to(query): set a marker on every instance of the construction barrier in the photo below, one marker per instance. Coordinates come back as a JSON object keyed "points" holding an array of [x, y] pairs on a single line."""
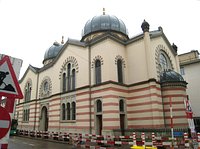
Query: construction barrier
{"points": [[106, 141], [198, 140]]}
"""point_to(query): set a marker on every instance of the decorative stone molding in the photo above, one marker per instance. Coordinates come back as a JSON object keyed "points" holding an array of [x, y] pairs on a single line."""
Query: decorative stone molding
{"points": [[73, 62], [161, 49], [28, 81], [45, 87], [121, 58], [98, 57]]}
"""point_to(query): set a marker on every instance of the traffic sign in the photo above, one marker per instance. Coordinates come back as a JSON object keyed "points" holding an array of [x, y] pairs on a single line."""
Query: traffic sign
{"points": [[9, 86], [5, 122]]}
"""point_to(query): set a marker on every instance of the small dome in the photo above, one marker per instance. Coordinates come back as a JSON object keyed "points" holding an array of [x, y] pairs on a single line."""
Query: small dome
{"points": [[170, 76], [104, 23], [52, 51]]}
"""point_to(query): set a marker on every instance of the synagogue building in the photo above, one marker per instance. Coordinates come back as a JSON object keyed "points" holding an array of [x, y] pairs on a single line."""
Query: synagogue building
{"points": [[105, 81]]}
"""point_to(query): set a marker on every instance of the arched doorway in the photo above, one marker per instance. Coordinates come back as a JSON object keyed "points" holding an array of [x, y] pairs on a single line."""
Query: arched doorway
{"points": [[44, 119], [122, 116], [99, 124], [99, 117]]}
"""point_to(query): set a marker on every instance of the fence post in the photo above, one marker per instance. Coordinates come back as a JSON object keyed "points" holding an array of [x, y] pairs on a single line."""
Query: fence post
{"points": [[198, 140], [134, 139], [153, 138], [143, 138], [186, 140]]}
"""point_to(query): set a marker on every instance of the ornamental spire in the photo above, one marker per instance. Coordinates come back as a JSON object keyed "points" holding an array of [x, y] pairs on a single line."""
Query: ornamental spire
{"points": [[104, 11], [145, 26], [62, 42]]}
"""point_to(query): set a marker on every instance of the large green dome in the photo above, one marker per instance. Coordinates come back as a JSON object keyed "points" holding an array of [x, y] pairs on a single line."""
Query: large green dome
{"points": [[104, 23]]}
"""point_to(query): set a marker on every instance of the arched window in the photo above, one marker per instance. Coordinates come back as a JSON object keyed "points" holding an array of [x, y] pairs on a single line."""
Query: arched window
{"points": [[119, 71], [68, 77], [73, 110], [28, 91], [121, 105], [68, 111], [99, 106], [164, 62], [23, 115], [98, 72], [63, 111], [28, 113], [46, 86], [73, 79], [64, 82]]}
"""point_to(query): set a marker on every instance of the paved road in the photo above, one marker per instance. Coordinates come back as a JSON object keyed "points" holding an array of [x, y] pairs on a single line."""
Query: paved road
{"points": [[28, 143], [16, 142]]}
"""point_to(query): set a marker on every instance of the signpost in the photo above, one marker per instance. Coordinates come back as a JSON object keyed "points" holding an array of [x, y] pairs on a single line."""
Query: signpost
{"points": [[9, 88], [5, 122]]}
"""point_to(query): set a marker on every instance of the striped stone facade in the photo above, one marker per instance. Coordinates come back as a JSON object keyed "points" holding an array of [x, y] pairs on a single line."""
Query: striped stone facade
{"points": [[137, 100]]}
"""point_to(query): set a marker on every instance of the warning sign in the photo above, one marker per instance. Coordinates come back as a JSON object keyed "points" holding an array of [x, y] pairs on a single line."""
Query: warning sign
{"points": [[9, 85]]}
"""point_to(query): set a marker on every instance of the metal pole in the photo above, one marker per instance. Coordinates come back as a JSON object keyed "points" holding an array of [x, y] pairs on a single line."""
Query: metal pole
{"points": [[172, 124]]}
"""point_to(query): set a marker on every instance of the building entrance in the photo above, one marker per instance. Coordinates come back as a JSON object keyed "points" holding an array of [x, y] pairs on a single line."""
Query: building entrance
{"points": [[44, 119]]}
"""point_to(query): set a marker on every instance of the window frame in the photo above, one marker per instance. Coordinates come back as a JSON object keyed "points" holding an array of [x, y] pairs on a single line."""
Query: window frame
{"points": [[164, 62], [98, 77], [28, 89], [120, 71]]}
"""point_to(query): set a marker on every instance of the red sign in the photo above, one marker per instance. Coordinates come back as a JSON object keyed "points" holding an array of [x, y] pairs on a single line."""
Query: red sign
{"points": [[9, 86], [5, 122]]}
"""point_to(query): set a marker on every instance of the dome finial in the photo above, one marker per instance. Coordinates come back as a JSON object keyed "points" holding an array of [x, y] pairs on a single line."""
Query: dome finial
{"points": [[104, 11], [62, 42]]}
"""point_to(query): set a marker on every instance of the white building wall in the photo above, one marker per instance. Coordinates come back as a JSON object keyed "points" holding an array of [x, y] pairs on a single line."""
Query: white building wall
{"points": [[136, 67], [108, 50], [33, 77], [191, 76], [55, 72]]}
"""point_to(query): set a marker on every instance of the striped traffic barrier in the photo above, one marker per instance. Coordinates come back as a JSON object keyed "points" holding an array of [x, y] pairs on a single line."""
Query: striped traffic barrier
{"points": [[101, 140], [3, 146], [134, 138], [198, 140], [65, 137], [26, 133], [143, 138], [32, 133], [55, 135], [38, 134], [45, 134], [153, 137], [186, 139]]}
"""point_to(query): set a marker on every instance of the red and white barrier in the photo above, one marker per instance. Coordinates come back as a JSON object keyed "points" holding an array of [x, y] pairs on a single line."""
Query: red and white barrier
{"points": [[134, 138], [86, 139], [143, 138], [3, 146], [198, 139], [186, 139]]}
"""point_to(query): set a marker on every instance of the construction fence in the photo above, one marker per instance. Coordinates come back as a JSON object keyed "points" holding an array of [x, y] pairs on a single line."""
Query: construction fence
{"points": [[150, 139]]}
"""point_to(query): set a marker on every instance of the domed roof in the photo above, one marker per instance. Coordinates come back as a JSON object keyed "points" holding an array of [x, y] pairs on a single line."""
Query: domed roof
{"points": [[170, 76], [104, 23], [52, 51]]}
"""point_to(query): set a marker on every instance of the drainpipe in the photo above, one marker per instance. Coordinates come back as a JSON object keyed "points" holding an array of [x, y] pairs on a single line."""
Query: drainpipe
{"points": [[90, 98], [36, 102]]}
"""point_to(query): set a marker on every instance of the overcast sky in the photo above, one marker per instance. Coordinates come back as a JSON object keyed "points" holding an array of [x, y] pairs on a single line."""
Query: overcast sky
{"points": [[29, 27]]}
